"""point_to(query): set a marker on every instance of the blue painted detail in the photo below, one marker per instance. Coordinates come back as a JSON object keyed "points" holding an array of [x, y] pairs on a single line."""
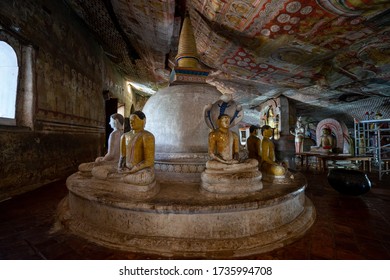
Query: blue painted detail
{"points": [[222, 108], [234, 116], [209, 117], [192, 72]]}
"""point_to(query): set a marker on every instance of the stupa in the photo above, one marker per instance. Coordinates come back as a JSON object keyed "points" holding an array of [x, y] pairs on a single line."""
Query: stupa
{"points": [[175, 115], [179, 218]]}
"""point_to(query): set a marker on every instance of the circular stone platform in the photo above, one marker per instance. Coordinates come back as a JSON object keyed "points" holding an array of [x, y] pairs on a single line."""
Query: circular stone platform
{"points": [[181, 221]]}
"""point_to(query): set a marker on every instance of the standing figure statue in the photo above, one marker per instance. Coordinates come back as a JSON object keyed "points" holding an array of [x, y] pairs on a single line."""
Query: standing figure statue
{"points": [[299, 133]]}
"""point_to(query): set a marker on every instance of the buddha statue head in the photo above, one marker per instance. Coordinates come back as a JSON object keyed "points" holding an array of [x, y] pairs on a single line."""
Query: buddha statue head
{"points": [[137, 120], [116, 121], [267, 131], [223, 121]]}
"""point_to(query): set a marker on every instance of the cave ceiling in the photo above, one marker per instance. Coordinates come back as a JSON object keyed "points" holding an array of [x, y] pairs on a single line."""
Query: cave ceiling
{"points": [[319, 53]]}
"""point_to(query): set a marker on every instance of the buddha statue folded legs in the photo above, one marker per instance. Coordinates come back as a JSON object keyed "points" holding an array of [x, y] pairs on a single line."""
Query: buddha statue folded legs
{"points": [[144, 177], [272, 169], [219, 167], [238, 178]]}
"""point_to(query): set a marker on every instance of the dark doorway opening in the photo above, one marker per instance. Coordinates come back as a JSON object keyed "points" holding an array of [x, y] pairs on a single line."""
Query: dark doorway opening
{"points": [[111, 108]]}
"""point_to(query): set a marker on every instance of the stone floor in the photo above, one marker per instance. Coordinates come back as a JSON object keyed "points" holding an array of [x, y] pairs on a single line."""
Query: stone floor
{"points": [[346, 227]]}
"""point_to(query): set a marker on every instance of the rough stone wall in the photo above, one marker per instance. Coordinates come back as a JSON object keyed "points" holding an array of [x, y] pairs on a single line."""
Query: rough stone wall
{"points": [[140, 101], [31, 159], [69, 73]]}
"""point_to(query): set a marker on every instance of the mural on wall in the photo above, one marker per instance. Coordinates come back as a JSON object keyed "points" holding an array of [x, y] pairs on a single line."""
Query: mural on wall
{"points": [[65, 79], [118, 88], [69, 83], [65, 93]]}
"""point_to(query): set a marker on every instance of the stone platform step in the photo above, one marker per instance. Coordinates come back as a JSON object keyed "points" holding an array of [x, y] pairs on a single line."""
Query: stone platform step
{"points": [[180, 220]]}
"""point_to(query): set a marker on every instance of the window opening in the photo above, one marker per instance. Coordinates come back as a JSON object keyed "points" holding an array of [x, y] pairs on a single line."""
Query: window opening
{"points": [[8, 80]]}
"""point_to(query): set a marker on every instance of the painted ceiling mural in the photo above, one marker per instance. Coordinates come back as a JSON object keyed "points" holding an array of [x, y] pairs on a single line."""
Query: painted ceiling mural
{"points": [[336, 50]]}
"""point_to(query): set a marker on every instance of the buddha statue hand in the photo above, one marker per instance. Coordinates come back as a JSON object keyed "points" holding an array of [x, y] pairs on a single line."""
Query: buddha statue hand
{"points": [[134, 169], [226, 161], [232, 161], [98, 159]]}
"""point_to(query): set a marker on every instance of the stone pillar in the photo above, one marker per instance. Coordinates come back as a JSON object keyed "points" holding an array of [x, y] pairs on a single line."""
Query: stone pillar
{"points": [[26, 94]]}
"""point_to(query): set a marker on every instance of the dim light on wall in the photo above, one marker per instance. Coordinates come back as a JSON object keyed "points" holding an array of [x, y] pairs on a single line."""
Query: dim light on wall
{"points": [[121, 109], [129, 88], [140, 87]]}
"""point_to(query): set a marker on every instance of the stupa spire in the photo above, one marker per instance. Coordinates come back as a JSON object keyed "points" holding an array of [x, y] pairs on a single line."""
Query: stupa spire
{"points": [[187, 55], [188, 68]]}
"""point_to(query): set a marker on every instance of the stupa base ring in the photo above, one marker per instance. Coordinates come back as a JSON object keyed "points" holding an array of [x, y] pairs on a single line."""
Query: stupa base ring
{"points": [[181, 222]]}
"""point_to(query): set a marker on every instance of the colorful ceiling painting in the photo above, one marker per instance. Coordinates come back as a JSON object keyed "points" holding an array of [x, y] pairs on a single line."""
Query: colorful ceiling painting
{"points": [[265, 47]]}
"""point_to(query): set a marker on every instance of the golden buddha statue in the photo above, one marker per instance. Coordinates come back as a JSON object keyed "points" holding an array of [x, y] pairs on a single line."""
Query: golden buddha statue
{"points": [[136, 146], [268, 164], [253, 143], [223, 143], [225, 173], [136, 163]]}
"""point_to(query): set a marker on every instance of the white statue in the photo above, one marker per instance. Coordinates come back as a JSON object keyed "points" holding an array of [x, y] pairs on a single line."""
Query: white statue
{"points": [[113, 152]]}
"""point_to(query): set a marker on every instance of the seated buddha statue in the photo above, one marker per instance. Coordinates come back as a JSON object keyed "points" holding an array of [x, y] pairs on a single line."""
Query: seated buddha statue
{"points": [[113, 152], [268, 164], [327, 142], [136, 163], [253, 143], [224, 147], [225, 173], [223, 143]]}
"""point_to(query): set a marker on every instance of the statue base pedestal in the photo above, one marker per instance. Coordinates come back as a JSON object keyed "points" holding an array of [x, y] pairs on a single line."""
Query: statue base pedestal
{"points": [[180, 221], [91, 188], [231, 180]]}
